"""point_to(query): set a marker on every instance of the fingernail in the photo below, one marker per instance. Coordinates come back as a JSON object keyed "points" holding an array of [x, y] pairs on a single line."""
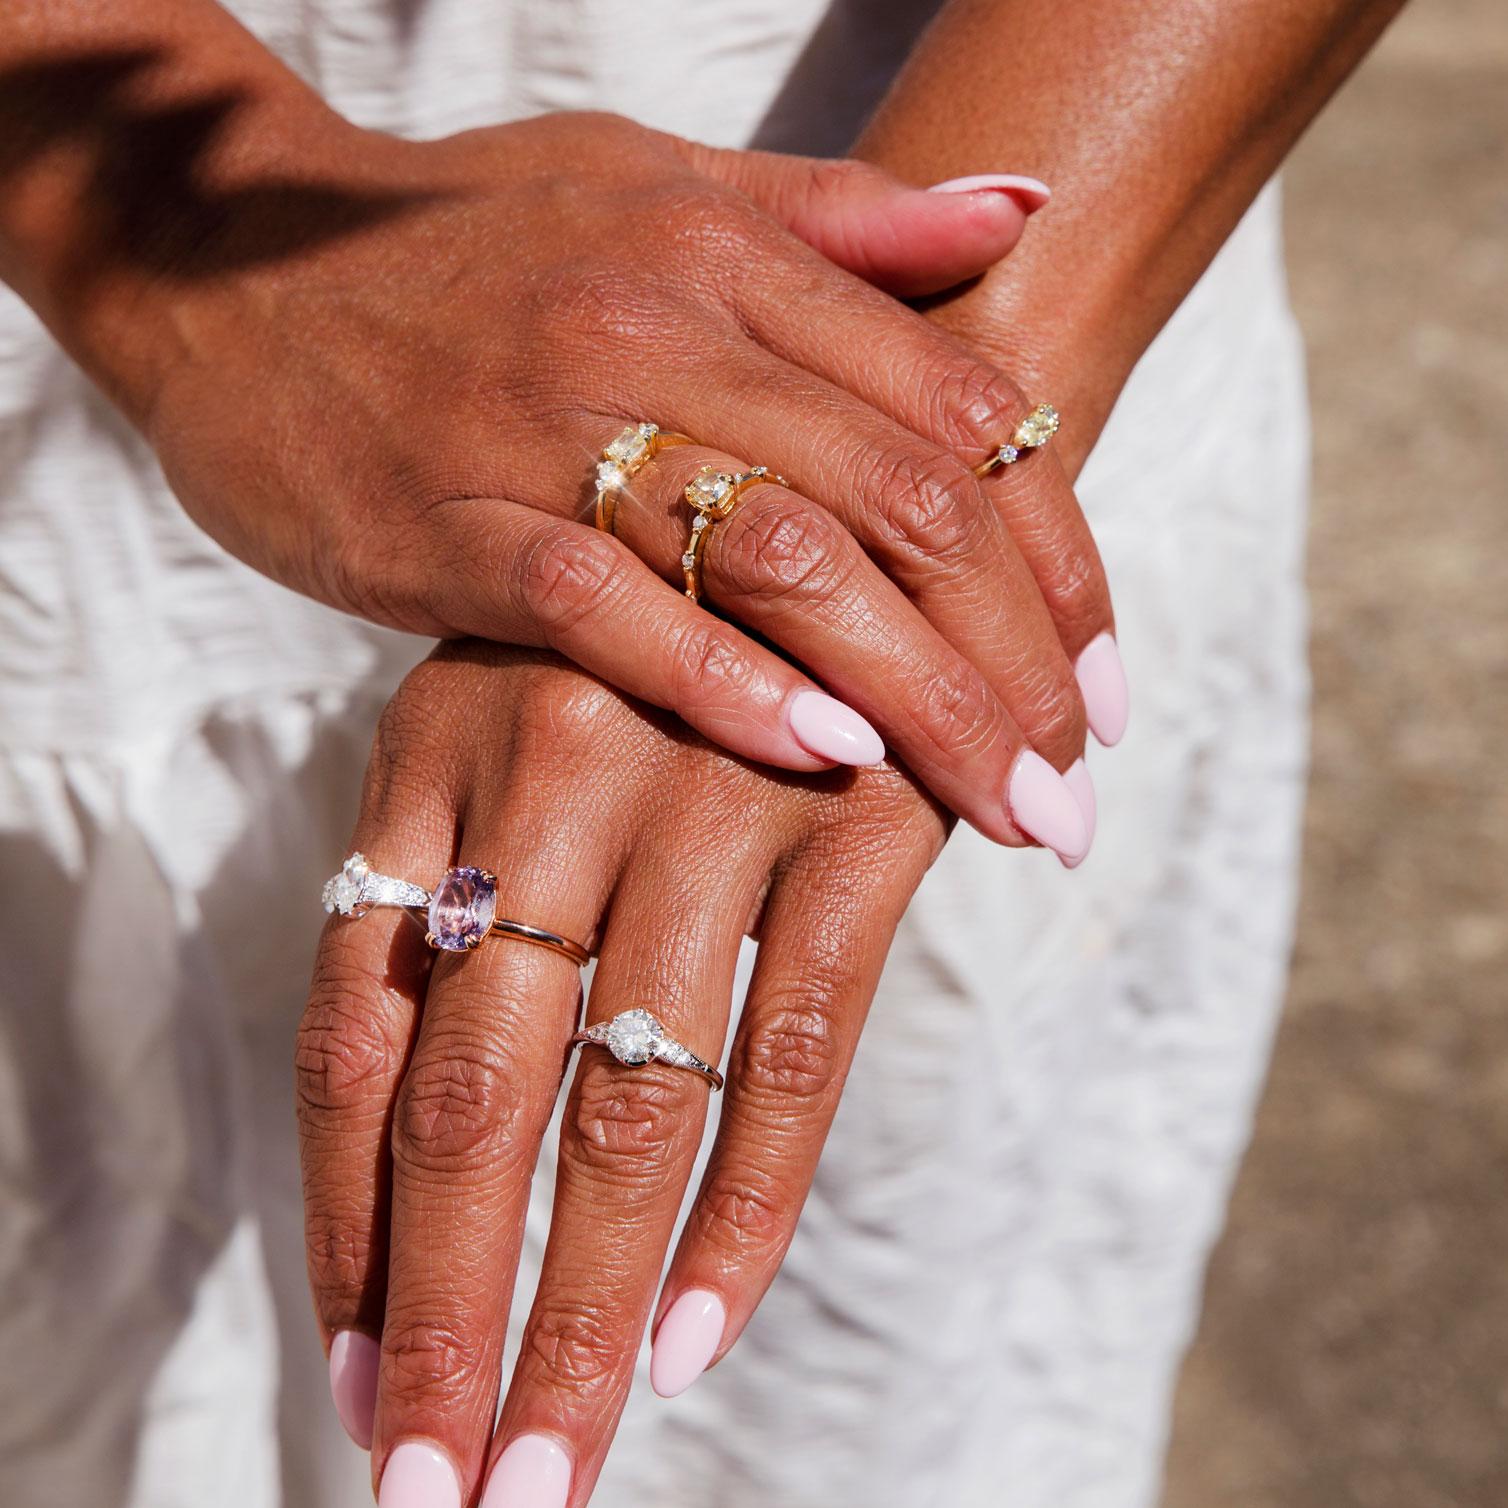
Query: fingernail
{"points": [[534, 1472], [1030, 193], [686, 1341], [1042, 805], [826, 728], [417, 1475], [353, 1383], [1076, 778], [1102, 683]]}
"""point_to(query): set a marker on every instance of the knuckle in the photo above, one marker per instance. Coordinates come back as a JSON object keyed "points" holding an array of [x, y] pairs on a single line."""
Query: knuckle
{"points": [[626, 1128], [784, 547], [708, 665], [1058, 724], [838, 177], [927, 508], [338, 1255], [743, 1209], [341, 1051], [428, 1358], [574, 1349], [790, 1050], [559, 707], [976, 402], [568, 575], [457, 1112], [713, 235], [957, 713]]}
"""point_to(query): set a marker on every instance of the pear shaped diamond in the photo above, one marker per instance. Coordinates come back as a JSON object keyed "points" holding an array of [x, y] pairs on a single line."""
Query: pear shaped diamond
{"points": [[1037, 428]]}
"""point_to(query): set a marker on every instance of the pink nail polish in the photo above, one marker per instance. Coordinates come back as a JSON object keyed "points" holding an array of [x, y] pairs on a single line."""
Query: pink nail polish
{"points": [[534, 1472], [1102, 683], [353, 1383], [1041, 805], [418, 1475], [686, 1341], [1029, 193], [1076, 778], [827, 729]]}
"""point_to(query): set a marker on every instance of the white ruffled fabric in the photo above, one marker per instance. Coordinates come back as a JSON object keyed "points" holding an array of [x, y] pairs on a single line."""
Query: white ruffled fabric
{"points": [[1000, 1265]]}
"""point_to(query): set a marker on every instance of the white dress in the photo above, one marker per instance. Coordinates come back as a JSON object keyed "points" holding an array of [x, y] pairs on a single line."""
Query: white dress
{"points": [[1001, 1262]]}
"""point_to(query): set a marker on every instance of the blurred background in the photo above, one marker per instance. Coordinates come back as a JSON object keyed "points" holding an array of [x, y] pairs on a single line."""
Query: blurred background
{"points": [[1354, 1346]]}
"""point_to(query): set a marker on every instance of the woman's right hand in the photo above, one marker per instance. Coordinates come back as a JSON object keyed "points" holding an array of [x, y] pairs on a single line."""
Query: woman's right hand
{"points": [[385, 381]]}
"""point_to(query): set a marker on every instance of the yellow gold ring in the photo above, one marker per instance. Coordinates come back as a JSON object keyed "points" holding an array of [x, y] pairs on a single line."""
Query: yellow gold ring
{"points": [[1032, 433], [622, 459], [713, 495]]}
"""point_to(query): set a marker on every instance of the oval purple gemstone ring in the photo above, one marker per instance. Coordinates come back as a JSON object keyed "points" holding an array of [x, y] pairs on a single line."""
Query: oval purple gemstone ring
{"points": [[461, 911]]}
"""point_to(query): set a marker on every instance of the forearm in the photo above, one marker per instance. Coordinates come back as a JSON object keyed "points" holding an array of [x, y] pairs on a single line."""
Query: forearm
{"points": [[128, 135], [1155, 124]]}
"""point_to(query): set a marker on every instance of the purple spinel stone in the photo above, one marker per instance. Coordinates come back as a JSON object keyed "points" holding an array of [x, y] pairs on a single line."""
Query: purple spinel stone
{"points": [[462, 908]]}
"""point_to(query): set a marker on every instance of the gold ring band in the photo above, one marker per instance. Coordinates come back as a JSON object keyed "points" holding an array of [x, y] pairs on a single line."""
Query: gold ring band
{"points": [[1032, 433], [713, 495], [622, 458]]}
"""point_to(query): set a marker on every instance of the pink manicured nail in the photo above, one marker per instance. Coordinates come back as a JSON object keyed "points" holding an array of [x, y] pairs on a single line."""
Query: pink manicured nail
{"points": [[1102, 683], [417, 1475], [534, 1472], [1076, 778], [828, 729], [353, 1383], [1042, 805], [686, 1341], [1030, 193]]}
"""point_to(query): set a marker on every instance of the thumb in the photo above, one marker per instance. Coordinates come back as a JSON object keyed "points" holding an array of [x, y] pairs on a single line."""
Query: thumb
{"points": [[906, 240]]}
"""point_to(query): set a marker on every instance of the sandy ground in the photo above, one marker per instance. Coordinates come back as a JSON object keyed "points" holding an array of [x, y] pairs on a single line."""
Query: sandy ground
{"points": [[1354, 1347]]}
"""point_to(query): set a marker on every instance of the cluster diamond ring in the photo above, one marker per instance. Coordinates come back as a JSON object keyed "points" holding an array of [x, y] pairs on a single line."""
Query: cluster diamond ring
{"points": [[1032, 433], [460, 912], [636, 1037], [622, 458], [713, 495]]}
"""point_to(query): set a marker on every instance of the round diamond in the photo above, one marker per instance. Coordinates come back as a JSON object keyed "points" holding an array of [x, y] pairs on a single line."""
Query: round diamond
{"points": [[1008, 455], [462, 909], [343, 893], [610, 475], [633, 1037]]}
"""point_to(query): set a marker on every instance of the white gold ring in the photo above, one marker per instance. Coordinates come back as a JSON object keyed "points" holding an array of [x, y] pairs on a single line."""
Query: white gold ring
{"points": [[635, 1038]]}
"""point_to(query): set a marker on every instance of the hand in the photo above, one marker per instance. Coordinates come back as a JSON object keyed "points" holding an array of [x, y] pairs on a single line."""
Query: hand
{"points": [[425, 1081], [384, 381]]}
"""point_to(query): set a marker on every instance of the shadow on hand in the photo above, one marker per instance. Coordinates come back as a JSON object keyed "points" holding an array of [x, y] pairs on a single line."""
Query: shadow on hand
{"points": [[147, 204]]}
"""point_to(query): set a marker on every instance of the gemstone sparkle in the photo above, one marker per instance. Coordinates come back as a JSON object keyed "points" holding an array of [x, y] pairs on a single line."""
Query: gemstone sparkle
{"points": [[343, 893], [1037, 428], [631, 448], [711, 491], [462, 909], [633, 1037]]}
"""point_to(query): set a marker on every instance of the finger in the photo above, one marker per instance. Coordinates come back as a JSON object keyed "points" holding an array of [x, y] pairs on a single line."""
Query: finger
{"points": [[792, 572], [467, 1125], [521, 576], [822, 948], [628, 1142], [923, 517], [370, 973], [967, 407], [904, 240]]}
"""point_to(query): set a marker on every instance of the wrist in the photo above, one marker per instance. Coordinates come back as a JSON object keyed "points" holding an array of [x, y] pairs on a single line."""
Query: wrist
{"points": [[136, 169]]}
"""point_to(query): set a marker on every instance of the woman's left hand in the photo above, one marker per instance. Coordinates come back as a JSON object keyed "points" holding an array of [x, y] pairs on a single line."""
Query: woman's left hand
{"points": [[426, 1081]]}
